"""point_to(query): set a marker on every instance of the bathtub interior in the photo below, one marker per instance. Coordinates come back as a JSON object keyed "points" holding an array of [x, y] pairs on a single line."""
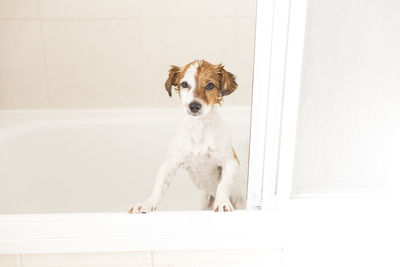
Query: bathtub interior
{"points": [[73, 161]]}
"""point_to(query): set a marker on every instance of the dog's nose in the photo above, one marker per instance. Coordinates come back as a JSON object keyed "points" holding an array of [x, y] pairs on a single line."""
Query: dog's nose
{"points": [[194, 106]]}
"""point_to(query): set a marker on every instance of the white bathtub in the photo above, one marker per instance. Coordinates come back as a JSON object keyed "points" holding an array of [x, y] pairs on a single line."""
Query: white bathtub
{"points": [[54, 161]]}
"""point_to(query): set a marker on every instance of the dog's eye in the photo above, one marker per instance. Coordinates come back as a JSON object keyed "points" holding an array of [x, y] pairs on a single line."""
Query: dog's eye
{"points": [[209, 86], [184, 85]]}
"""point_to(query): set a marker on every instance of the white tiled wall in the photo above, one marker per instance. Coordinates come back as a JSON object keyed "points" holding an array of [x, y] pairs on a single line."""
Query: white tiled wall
{"points": [[12, 9], [116, 53], [22, 67], [90, 63], [231, 258]]}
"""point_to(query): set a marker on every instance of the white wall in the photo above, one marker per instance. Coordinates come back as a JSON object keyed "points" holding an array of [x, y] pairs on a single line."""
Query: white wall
{"points": [[116, 53], [349, 115]]}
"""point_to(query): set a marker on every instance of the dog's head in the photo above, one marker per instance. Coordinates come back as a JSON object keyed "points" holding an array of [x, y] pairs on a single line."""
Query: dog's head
{"points": [[201, 85]]}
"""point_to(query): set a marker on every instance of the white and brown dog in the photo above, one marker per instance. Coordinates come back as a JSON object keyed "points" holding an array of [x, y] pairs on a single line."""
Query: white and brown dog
{"points": [[202, 144]]}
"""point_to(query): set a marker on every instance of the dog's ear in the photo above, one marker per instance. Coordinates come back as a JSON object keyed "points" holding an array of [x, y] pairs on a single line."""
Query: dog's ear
{"points": [[172, 79], [228, 82]]}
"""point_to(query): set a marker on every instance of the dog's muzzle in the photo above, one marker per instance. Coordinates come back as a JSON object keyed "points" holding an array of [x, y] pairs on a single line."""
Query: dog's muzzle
{"points": [[194, 107]]}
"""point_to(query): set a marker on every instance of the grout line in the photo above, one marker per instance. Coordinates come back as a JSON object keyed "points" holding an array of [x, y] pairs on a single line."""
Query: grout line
{"points": [[20, 261], [140, 44], [44, 54], [152, 258], [282, 262]]}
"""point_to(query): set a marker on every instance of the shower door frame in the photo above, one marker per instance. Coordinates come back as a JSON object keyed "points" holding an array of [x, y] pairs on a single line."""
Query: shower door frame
{"points": [[276, 84]]}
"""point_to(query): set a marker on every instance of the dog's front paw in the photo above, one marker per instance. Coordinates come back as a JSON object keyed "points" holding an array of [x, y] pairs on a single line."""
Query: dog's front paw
{"points": [[222, 206], [144, 207]]}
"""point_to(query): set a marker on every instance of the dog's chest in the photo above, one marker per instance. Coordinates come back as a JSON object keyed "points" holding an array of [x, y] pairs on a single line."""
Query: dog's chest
{"points": [[201, 163], [202, 148], [201, 152]]}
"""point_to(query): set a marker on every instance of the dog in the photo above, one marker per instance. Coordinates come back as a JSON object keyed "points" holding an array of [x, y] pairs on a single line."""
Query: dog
{"points": [[202, 143]]}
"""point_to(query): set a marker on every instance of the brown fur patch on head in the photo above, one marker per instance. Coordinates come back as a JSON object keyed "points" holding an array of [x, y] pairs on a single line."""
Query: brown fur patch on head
{"points": [[228, 82], [179, 76], [173, 79], [223, 81], [208, 73]]}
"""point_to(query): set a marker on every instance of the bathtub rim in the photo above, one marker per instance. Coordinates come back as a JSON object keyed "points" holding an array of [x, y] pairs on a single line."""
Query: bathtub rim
{"points": [[112, 232], [294, 224]]}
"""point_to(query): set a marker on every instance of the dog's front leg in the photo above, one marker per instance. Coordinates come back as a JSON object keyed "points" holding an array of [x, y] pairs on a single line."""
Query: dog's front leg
{"points": [[207, 201], [229, 172], [166, 173]]}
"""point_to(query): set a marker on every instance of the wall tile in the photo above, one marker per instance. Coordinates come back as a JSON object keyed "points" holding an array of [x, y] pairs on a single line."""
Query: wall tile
{"points": [[87, 259], [22, 66], [197, 9], [91, 8], [93, 63], [9, 260], [247, 8], [19, 9], [147, 9], [232, 258]]}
